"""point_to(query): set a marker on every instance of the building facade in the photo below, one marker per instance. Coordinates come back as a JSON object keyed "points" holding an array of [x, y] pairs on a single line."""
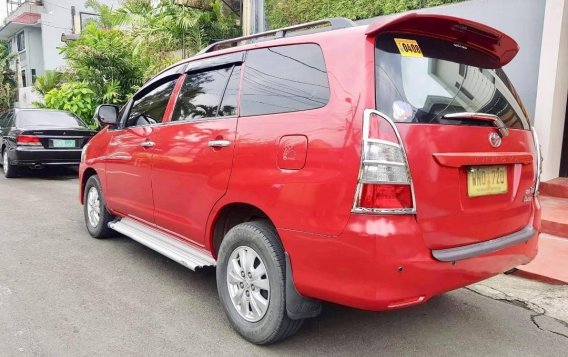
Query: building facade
{"points": [[35, 29]]}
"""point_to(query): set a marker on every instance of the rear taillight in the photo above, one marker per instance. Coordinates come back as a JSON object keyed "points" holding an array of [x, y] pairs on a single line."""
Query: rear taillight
{"points": [[28, 140], [384, 184]]}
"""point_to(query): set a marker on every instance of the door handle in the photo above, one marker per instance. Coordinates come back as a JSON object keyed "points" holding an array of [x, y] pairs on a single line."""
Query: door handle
{"points": [[148, 144], [218, 143]]}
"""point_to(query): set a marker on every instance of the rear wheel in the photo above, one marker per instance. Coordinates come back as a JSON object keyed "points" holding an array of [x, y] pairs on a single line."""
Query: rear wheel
{"points": [[97, 217], [10, 171], [251, 280]]}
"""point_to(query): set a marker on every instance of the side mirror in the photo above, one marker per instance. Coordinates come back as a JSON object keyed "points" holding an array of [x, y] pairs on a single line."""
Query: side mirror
{"points": [[107, 115]]}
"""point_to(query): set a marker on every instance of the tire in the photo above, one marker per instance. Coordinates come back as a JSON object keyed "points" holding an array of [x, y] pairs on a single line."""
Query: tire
{"points": [[249, 239], [10, 171], [98, 228]]}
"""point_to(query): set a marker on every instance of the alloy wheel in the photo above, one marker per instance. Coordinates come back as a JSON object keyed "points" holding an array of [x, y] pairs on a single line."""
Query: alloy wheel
{"points": [[248, 283], [93, 207], [5, 166]]}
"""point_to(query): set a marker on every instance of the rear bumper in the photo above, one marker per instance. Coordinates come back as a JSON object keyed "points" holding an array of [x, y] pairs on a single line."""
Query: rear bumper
{"points": [[23, 156], [381, 263]]}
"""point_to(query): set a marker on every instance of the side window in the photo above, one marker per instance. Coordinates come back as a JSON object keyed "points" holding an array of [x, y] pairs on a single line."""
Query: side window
{"points": [[231, 97], [8, 120], [284, 79], [150, 108], [3, 120], [201, 95]]}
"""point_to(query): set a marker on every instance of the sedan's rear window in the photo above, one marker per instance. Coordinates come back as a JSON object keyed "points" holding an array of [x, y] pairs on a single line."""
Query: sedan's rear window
{"points": [[48, 119], [434, 78]]}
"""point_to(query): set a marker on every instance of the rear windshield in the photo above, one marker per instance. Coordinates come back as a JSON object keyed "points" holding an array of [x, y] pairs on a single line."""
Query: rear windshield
{"points": [[419, 80], [51, 119]]}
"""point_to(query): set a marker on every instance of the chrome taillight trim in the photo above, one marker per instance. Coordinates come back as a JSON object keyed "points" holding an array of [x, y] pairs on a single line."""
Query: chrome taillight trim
{"points": [[538, 161], [366, 139]]}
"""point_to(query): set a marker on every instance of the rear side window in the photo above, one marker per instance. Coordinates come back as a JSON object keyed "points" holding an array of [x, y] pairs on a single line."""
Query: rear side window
{"points": [[447, 79], [284, 79], [47, 119], [150, 108], [202, 94]]}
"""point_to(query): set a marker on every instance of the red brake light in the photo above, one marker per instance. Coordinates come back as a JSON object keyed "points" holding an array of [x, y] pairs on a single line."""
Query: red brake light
{"points": [[386, 196], [28, 140]]}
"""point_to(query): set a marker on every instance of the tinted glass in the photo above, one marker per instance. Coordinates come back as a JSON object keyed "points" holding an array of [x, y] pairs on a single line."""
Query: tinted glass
{"points": [[151, 107], [423, 90], [50, 119], [230, 98], [284, 79], [201, 94]]}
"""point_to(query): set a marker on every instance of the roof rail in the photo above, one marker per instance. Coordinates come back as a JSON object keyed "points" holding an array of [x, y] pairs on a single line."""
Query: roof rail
{"points": [[334, 23]]}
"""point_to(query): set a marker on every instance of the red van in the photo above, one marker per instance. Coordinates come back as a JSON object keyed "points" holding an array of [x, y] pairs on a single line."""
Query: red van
{"points": [[373, 167]]}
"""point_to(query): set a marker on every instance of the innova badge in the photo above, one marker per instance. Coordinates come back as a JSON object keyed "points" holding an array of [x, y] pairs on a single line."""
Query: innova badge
{"points": [[495, 140]]}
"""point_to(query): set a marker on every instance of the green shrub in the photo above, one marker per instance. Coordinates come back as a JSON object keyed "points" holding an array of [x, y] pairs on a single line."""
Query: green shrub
{"points": [[74, 97]]}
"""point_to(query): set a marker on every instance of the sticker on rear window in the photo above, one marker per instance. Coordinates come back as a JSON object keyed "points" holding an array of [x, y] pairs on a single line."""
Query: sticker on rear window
{"points": [[408, 48]]}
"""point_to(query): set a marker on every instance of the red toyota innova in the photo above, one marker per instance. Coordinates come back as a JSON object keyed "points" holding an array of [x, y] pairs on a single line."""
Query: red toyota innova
{"points": [[373, 167]]}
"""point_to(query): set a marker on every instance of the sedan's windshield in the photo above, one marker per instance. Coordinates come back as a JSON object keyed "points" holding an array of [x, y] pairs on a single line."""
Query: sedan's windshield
{"points": [[51, 119]]}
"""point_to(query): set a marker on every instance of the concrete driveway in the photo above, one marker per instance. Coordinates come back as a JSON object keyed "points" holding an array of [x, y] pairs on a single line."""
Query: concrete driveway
{"points": [[63, 293]]}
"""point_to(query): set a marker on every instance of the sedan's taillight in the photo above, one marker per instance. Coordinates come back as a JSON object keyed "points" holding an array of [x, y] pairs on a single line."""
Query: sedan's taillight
{"points": [[384, 184], [28, 140]]}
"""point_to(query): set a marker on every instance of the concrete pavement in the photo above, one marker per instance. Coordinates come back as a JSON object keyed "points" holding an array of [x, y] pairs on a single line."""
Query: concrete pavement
{"points": [[63, 293]]}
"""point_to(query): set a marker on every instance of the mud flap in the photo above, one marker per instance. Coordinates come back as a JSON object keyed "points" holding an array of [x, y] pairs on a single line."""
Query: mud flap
{"points": [[297, 306]]}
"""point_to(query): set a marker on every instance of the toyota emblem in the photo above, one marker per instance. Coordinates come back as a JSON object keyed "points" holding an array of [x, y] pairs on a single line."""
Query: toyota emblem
{"points": [[495, 140]]}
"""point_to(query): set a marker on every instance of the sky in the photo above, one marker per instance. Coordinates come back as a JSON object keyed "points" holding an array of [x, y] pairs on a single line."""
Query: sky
{"points": [[2, 10]]}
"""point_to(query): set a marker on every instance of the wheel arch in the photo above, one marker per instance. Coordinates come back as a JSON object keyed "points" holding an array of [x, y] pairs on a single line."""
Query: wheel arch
{"points": [[84, 178], [228, 216]]}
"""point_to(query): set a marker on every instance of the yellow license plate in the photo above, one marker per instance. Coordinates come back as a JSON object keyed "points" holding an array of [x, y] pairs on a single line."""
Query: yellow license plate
{"points": [[486, 180]]}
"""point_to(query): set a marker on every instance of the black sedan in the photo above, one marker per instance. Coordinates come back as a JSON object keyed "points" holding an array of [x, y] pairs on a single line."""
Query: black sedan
{"points": [[36, 138]]}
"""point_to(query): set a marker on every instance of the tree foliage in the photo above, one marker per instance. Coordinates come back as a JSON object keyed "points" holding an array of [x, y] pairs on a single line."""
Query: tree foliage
{"points": [[282, 13], [48, 81], [74, 97], [115, 55], [7, 78]]}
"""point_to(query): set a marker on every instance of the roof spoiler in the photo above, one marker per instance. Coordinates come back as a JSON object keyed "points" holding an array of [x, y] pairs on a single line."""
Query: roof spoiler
{"points": [[460, 31]]}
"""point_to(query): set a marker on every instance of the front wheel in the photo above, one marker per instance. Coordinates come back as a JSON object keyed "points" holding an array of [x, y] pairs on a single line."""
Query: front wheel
{"points": [[97, 217], [251, 281]]}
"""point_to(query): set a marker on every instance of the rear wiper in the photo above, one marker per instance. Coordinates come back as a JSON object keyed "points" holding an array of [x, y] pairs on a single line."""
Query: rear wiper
{"points": [[493, 119]]}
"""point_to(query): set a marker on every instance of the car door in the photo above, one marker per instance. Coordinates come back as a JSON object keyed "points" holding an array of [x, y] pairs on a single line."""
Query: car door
{"points": [[129, 155], [193, 157]]}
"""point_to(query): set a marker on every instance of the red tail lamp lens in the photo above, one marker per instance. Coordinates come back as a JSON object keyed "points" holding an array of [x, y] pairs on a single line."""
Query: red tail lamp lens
{"points": [[28, 140], [386, 196]]}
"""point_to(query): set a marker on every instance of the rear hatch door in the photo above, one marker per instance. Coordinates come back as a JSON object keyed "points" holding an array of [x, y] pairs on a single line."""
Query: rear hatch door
{"points": [[466, 133]]}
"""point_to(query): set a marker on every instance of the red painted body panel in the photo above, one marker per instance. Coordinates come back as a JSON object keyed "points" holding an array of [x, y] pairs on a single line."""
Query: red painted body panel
{"points": [[380, 263], [447, 215], [129, 173], [367, 261], [188, 176], [490, 41]]}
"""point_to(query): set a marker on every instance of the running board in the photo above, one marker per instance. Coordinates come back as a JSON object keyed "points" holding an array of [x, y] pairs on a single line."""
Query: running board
{"points": [[187, 255]]}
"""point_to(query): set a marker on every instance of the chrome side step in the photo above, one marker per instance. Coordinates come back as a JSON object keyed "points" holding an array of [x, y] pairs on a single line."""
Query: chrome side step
{"points": [[187, 255]]}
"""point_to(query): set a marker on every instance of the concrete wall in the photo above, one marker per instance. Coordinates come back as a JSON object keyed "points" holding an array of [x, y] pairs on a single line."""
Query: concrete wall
{"points": [[35, 51], [553, 87], [521, 19]]}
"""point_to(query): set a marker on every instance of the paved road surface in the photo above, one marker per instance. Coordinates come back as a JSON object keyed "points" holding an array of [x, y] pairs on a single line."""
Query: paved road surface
{"points": [[63, 293]]}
